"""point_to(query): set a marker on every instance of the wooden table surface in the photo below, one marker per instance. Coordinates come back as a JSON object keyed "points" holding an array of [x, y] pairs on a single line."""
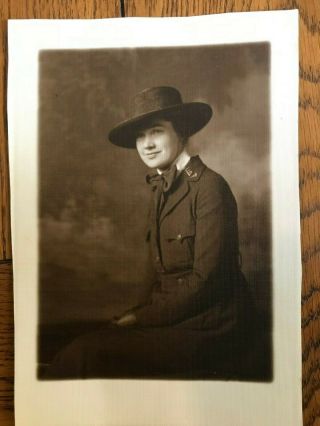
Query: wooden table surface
{"points": [[309, 132]]}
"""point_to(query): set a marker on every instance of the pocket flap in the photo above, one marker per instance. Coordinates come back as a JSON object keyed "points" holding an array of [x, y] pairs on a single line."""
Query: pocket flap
{"points": [[179, 233]]}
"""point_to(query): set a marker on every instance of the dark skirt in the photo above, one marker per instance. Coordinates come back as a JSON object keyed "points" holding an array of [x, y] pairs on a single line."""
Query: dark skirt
{"points": [[162, 353]]}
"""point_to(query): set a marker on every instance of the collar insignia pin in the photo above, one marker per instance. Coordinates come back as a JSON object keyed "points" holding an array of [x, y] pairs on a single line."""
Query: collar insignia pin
{"points": [[188, 171]]}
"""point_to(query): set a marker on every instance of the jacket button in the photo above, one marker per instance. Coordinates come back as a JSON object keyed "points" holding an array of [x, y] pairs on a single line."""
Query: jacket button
{"points": [[179, 237], [180, 280], [158, 259]]}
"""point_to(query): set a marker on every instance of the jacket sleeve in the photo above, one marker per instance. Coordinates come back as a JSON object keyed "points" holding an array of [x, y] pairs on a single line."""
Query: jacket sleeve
{"points": [[191, 294]]}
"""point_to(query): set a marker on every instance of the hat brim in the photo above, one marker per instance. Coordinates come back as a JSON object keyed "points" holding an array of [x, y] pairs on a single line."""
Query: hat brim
{"points": [[193, 116]]}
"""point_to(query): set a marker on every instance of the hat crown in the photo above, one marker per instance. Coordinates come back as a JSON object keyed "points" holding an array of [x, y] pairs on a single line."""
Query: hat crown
{"points": [[163, 102], [155, 99]]}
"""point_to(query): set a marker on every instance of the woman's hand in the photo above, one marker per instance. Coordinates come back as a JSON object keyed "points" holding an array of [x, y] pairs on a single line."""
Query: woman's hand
{"points": [[125, 320]]}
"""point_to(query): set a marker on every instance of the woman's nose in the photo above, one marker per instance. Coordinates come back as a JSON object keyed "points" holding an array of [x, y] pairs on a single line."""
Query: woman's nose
{"points": [[148, 142]]}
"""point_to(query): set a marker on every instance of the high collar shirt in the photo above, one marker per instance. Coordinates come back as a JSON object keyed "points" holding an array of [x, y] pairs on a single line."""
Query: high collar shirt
{"points": [[180, 162]]}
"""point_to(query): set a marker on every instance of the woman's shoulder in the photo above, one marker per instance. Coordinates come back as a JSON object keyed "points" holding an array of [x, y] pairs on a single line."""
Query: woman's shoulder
{"points": [[197, 171]]}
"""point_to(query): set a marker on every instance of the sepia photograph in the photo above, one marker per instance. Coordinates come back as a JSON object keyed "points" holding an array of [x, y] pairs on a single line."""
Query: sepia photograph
{"points": [[155, 213], [155, 220]]}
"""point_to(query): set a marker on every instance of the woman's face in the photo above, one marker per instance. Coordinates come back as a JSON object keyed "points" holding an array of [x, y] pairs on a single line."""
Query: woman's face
{"points": [[159, 144]]}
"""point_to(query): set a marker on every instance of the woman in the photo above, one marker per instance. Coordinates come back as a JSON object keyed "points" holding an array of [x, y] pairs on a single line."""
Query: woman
{"points": [[196, 320]]}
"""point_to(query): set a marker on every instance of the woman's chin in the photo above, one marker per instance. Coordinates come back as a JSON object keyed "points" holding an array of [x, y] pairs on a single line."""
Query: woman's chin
{"points": [[156, 164]]}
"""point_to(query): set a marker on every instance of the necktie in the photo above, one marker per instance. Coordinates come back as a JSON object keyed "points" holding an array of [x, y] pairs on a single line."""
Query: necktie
{"points": [[165, 180]]}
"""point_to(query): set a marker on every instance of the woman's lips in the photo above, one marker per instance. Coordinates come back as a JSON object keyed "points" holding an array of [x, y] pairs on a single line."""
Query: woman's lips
{"points": [[152, 154]]}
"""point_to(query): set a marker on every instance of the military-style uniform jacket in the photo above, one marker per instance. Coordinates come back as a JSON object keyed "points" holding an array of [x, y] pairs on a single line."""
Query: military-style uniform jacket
{"points": [[194, 323], [195, 250]]}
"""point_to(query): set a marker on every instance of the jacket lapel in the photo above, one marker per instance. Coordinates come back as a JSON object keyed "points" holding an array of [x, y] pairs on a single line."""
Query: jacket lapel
{"points": [[175, 198], [192, 172]]}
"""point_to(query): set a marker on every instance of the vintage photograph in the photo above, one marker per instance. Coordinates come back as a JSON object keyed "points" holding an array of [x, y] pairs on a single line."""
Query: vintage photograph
{"points": [[155, 248]]}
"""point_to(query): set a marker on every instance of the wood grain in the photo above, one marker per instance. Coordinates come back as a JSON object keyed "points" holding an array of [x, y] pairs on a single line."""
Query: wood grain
{"points": [[5, 240], [6, 344], [309, 128]]}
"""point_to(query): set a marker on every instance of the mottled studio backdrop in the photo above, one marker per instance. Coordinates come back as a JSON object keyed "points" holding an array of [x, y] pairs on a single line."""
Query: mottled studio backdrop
{"points": [[93, 195]]}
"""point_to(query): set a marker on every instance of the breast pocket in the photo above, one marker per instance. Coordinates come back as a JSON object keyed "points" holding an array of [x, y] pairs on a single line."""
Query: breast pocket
{"points": [[177, 247]]}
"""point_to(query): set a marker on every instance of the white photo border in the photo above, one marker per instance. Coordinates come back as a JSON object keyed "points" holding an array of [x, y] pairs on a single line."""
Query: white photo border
{"points": [[152, 402]]}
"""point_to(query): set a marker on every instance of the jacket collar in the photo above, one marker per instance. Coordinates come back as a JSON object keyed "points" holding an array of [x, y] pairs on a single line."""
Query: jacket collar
{"points": [[194, 169], [192, 172]]}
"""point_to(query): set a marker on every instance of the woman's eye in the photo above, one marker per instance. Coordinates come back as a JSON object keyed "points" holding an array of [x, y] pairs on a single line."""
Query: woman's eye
{"points": [[156, 130]]}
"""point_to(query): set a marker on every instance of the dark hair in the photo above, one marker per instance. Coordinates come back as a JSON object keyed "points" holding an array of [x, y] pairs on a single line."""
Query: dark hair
{"points": [[179, 125]]}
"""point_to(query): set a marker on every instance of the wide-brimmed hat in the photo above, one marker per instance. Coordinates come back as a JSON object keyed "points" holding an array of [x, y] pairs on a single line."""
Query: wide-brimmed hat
{"points": [[164, 102]]}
